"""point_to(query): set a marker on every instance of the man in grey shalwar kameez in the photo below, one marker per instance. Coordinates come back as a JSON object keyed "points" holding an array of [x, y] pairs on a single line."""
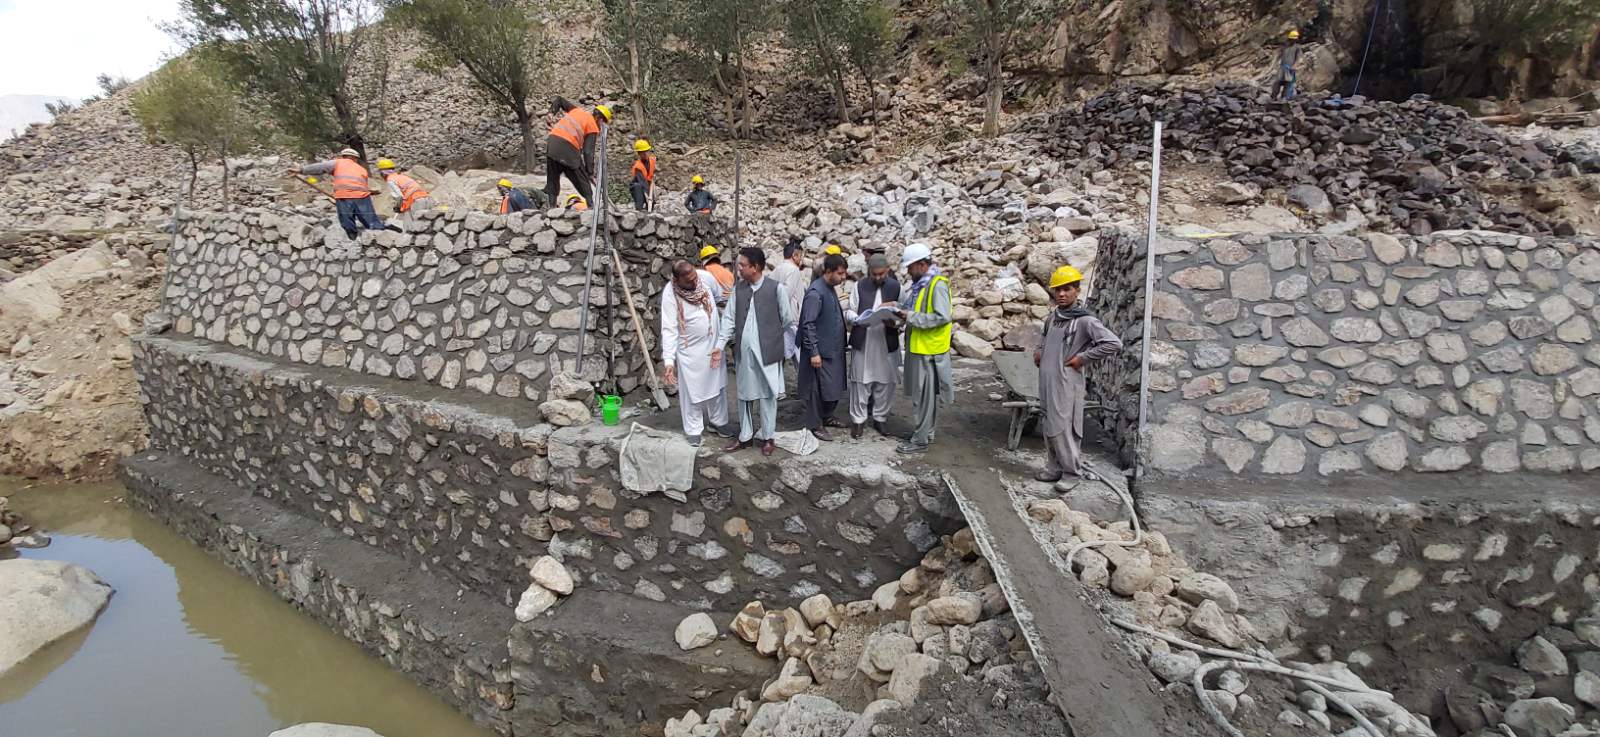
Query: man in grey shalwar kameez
{"points": [[928, 315], [1073, 339], [759, 376], [874, 349], [821, 340]]}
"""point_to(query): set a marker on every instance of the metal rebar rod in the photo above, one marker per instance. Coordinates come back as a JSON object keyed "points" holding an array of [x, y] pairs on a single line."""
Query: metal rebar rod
{"points": [[598, 215], [1149, 299]]}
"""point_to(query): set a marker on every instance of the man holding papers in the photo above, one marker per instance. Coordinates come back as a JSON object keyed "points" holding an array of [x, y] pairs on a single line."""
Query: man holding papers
{"points": [[874, 346]]}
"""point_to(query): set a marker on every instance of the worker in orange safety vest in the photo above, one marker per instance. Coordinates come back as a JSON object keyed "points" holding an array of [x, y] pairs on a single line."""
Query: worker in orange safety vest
{"points": [[642, 178], [570, 148], [409, 197], [352, 195]]}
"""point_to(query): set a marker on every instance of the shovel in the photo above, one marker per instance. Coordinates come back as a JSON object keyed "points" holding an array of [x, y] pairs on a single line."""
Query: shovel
{"points": [[638, 331]]}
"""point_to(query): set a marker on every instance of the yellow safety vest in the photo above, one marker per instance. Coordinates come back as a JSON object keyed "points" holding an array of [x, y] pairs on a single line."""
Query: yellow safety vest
{"points": [[929, 341]]}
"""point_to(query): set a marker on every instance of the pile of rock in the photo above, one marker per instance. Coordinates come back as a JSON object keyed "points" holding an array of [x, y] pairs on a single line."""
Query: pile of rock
{"points": [[1414, 165], [945, 619], [1553, 690], [551, 581]]}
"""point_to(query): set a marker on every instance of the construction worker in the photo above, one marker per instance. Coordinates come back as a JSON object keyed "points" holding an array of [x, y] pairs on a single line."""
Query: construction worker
{"points": [[576, 203], [711, 258], [699, 199], [409, 196], [1288, 57], [642, 178], [569, 149], [1073, 339], [352, 194], [512, 198], [927, 370]]}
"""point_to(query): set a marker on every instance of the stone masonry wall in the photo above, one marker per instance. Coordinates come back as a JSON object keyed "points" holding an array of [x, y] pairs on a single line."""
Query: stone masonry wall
{"points": [[1407, 593], [1323, 356], [460, 299], [1116, 296], [479, 489]]}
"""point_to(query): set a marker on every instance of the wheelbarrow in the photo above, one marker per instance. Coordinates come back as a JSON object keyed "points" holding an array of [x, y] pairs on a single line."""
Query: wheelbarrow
{"points": [[1022, 394]]}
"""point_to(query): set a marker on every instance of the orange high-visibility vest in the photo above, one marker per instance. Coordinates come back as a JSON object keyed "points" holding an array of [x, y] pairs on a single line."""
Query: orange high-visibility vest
{"points": [[410, 190], [646, 168], [574, 126], [349, 180]]}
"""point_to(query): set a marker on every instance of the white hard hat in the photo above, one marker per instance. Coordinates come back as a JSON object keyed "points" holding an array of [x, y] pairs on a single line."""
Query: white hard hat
{"points": [[914, 253]]}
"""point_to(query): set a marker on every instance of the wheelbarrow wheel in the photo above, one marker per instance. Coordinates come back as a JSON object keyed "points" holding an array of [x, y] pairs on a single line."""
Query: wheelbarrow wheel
{"points": [[1019, 424]]}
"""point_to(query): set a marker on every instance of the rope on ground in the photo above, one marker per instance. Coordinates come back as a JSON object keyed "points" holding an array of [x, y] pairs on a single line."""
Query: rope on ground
{"points": [[1345, 706], [1198, 680], [1133, 517], [1260, 664]]}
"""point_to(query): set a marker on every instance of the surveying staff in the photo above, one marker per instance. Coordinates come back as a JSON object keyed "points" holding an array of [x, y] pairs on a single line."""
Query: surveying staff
{"points": [[352, 195], [569, 149], [874, 349], [512, 199], [821, 378], [1073, 339], [642, 177], [1288, 57], [409, 196], [927, 372]]}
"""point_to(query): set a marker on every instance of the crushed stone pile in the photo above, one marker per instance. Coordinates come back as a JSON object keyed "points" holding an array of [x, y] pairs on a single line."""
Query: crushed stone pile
{"points": [[1415, 165]]}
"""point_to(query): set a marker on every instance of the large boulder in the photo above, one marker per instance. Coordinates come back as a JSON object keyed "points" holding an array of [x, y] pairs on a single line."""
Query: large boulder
{"points": [[42, 601]]}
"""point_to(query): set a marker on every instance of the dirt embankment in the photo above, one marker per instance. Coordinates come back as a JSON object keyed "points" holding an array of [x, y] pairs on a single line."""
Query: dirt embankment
{"points": [[68, 403]]}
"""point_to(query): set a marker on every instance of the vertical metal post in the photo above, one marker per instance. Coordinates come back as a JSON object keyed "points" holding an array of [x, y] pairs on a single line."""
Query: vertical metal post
{"points": [[599, 214], [1149, 296], [737, 189]]}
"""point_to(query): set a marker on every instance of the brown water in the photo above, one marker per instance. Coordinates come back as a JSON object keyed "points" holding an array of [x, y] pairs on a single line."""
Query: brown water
{"points": [[188, 648]]}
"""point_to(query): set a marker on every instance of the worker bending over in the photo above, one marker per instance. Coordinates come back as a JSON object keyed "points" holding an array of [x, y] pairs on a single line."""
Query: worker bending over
{"points": [[512, 198], [1073, 339], [576, 203], [570, 148], [352, 194], [409, 196], [699, 199], [642, 177], [712, 259]]}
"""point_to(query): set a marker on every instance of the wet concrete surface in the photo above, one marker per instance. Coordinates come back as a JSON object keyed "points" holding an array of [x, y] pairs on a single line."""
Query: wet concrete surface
{"points": [[188, 647]]}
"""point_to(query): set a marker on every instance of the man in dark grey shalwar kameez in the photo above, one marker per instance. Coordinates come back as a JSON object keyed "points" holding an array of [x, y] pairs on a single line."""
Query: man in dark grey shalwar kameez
{"points": [[821, 341], [1073, 339]]}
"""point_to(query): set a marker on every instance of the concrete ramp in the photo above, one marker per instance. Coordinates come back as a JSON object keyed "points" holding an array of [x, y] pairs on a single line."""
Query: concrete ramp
{"points": [[1098, 684]]}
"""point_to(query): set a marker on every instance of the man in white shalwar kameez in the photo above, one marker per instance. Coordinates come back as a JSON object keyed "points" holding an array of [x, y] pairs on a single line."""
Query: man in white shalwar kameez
{"points": [[688, 339], [874, 349], [758, 310]]}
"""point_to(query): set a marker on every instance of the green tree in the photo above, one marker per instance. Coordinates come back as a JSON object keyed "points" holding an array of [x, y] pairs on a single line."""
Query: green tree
{"points": [[994, 28], [869, 41], [500, 43], [190, 103], [817, 29], [720, 32], [319, 67], [633, 39]]}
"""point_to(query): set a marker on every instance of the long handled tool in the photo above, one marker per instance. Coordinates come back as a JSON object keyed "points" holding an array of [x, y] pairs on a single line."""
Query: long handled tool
{"points": [[638, 331], [313, 185], [596, 216]]}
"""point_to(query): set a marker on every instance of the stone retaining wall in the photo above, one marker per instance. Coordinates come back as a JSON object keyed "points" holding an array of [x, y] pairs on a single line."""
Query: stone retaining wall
{"points": [[479, 489], [1407, 593], [460, 299], [1318, 357]]}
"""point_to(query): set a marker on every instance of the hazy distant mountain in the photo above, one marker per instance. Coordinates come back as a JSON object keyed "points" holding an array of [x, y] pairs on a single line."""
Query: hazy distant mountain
{"points": [[17, 111]]}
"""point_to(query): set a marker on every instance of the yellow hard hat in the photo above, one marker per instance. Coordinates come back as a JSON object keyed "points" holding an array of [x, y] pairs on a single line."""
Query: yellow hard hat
{"points": [[505, 183], [708, 252], [1293, 34], [697, 179], [641, 145], [1064, 276], [832, 250], [311, 180], [385, 164], [574, 198], [604, 111]]}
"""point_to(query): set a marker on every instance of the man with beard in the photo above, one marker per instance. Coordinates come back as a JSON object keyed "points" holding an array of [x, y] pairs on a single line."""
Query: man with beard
{"points": [[688, 339], [874, 348], [1073, 339]]}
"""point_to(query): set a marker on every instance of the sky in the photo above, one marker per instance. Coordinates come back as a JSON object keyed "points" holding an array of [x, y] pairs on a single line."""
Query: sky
{"points": [[58, 47]]}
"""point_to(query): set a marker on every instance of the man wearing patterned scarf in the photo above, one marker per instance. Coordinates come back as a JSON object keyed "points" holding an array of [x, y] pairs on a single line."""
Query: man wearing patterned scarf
{"points": [[688, 341]]}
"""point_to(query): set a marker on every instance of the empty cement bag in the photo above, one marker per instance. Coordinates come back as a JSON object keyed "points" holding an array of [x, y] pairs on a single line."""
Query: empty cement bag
{"points": [[653, 460]]}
